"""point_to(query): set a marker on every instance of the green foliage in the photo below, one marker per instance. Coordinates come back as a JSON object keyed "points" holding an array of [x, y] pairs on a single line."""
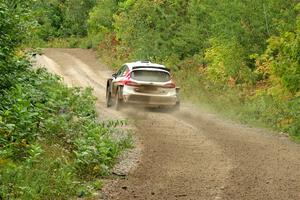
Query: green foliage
{"points": [[100, 20], [276, 113], [95, 152], [13, 17], [226, 62], [101, 17], [49, 16], [149, 27], [283, 53], [193, 33], [13, 27], [50, 178], [51, 142], [39, 117], [61, 18], [75, 17], [158, 29]]}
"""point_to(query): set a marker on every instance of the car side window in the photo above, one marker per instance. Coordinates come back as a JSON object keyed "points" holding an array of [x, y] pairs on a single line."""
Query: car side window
{"points": [[119, 71], [122, 71]]}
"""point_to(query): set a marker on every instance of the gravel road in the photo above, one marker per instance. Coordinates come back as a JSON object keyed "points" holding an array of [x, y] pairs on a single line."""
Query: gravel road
{"points": [[191, 154]]}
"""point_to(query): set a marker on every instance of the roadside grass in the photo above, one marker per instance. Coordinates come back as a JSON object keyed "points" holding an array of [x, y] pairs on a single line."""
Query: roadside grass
{"points": [[52, 145], [247, 105]]}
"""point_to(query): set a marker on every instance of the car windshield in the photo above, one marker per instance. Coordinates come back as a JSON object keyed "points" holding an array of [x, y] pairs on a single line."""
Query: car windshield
{"points": [[150, 76]]}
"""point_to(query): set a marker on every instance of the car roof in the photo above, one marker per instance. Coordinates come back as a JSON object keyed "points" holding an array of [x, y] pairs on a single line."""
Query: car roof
{"points": [[145, 64]]}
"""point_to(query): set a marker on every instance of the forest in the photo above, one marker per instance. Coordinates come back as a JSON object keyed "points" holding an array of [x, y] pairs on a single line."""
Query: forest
{"points": [[238, 58]]}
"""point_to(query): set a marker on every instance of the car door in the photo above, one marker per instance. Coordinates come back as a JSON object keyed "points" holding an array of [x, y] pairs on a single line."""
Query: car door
{"points": [[118, 77]]}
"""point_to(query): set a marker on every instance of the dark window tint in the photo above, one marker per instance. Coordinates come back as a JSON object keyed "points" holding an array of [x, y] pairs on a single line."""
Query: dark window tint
{"points": [[120, 71], [151, 76]]}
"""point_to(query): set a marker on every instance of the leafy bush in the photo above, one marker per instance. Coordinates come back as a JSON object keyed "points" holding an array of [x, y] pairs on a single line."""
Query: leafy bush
{"points": [[61, 19], [46, 128], [95, 152], [39, 117], [46, 177], [13, 20], [226, 62], [283, 53], [101, 17]]}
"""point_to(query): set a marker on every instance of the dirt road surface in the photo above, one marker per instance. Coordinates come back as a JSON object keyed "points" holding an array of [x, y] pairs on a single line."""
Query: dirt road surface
{"points": [[191, 154]]}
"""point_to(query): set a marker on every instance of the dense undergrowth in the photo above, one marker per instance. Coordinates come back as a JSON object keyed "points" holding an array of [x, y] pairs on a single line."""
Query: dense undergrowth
{"points": [[52, 144], [51, 141]]}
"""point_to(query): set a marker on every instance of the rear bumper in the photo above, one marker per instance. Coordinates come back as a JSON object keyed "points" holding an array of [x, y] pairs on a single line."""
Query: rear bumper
{"points": [[150, 100], [169, 98]]}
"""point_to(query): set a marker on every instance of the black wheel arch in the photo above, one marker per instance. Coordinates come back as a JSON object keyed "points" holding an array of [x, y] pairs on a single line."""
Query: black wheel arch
{"points": [[108, 85]]}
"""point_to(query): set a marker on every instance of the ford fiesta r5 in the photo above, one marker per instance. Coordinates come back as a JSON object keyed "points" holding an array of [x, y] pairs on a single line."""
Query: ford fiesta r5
{"points": [[142, 83]]}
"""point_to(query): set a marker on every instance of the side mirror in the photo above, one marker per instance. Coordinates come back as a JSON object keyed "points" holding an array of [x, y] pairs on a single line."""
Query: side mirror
{"points": [[114, 75]]}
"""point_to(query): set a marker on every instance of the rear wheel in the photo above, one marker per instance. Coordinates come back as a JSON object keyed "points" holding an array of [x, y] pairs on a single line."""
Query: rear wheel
{"points": [[177, 106], [108, 97], [118, 99], [170, 109]]}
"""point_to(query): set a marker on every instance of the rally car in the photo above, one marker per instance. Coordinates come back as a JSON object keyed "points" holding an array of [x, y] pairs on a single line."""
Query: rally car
{"points": [[142, 83]]}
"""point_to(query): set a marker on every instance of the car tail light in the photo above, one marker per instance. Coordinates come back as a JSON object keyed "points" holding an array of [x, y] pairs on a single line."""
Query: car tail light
{"points": [[169, 85], [128, 80], [130, 83]]}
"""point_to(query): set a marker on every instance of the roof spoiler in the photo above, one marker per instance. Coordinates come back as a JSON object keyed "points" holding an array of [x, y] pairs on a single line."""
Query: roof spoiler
{"points": [[162, 68]]}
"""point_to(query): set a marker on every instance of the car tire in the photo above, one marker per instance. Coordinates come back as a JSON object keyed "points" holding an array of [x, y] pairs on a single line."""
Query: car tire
{"points": [[177, 106], [118, 101], [170, 109], [109, 101]]}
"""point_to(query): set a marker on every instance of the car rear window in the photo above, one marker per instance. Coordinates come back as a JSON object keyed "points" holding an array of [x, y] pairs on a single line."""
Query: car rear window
{"points": [[150, 75]]}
